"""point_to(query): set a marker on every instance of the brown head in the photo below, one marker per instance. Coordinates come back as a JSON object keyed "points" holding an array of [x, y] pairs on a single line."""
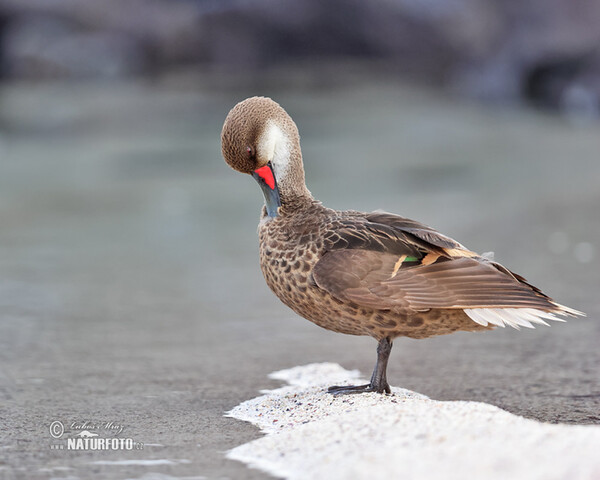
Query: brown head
{"points": [[261, 139]]}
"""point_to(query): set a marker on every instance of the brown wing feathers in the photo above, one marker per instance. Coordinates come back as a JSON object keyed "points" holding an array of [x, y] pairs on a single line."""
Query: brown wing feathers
{"points": [[388, 268], [370, 236], [410, 227], [460, 283], [365, 278]]}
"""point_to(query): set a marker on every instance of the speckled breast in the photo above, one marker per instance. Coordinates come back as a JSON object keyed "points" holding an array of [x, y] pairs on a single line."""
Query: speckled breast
{"points": [[290, 246]]}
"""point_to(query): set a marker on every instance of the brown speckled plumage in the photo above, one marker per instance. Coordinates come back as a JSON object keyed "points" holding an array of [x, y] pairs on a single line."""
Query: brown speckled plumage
{"points": [[374, 274], [289, 252]]}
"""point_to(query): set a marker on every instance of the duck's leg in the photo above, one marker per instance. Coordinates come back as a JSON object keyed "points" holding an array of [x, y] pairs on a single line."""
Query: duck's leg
{"points": [[378, 382]]}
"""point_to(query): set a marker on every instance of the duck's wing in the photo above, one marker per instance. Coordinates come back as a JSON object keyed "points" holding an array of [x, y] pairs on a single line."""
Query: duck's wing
{"points": [[433, 238], [407, 267], [388, 233]]}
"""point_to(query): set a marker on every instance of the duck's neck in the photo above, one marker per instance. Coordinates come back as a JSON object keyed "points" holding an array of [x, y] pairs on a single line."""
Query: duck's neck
{"points": [[290, 206], [293, 191], [288, 168]]}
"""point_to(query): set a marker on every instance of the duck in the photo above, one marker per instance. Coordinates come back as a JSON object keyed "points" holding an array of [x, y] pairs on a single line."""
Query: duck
{"points": [[376, 274]]}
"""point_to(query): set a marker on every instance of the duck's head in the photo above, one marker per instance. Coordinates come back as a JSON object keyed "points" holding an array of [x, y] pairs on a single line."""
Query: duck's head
{"points": [[261, 139]]}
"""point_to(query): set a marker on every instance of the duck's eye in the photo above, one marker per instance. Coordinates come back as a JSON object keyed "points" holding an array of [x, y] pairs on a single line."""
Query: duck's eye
{"points": [[250, 151]]}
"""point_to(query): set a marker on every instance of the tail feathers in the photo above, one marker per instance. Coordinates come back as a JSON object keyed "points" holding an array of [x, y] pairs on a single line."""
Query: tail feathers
{"points": [[570, 312], [519, 317]]}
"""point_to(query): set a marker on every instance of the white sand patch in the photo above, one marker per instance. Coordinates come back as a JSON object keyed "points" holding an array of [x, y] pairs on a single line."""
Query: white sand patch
{"points": [[311, 434]]}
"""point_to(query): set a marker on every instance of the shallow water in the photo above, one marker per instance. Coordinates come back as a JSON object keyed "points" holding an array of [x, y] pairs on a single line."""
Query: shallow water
{"points": [[130, 286]]}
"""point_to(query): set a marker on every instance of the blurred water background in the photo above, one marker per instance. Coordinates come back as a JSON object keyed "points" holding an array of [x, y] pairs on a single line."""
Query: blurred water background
{"points": [[129, 282]]}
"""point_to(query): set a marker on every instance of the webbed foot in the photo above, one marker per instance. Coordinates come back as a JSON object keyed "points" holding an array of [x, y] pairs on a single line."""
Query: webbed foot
{"points": [[378, 382]]}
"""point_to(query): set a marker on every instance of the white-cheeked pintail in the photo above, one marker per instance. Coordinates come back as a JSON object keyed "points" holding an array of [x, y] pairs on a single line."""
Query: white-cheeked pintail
{"points": [[374, 274]]}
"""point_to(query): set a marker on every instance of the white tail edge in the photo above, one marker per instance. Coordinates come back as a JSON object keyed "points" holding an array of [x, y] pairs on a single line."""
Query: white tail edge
{"points": [[518, 317]]}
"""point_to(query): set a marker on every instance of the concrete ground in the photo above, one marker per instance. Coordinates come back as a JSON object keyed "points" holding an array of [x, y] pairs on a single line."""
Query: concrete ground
{"points": [[129, 277]]}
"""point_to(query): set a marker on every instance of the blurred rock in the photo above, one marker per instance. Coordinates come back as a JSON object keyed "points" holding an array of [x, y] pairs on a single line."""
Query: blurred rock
{"points": [[41, 47], [570, 85], [419, 39], [491, 49], [104, 38]]}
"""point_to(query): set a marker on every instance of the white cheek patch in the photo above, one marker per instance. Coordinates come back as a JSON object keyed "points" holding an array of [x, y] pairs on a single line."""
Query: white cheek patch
{"points": [[274, 146]]}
